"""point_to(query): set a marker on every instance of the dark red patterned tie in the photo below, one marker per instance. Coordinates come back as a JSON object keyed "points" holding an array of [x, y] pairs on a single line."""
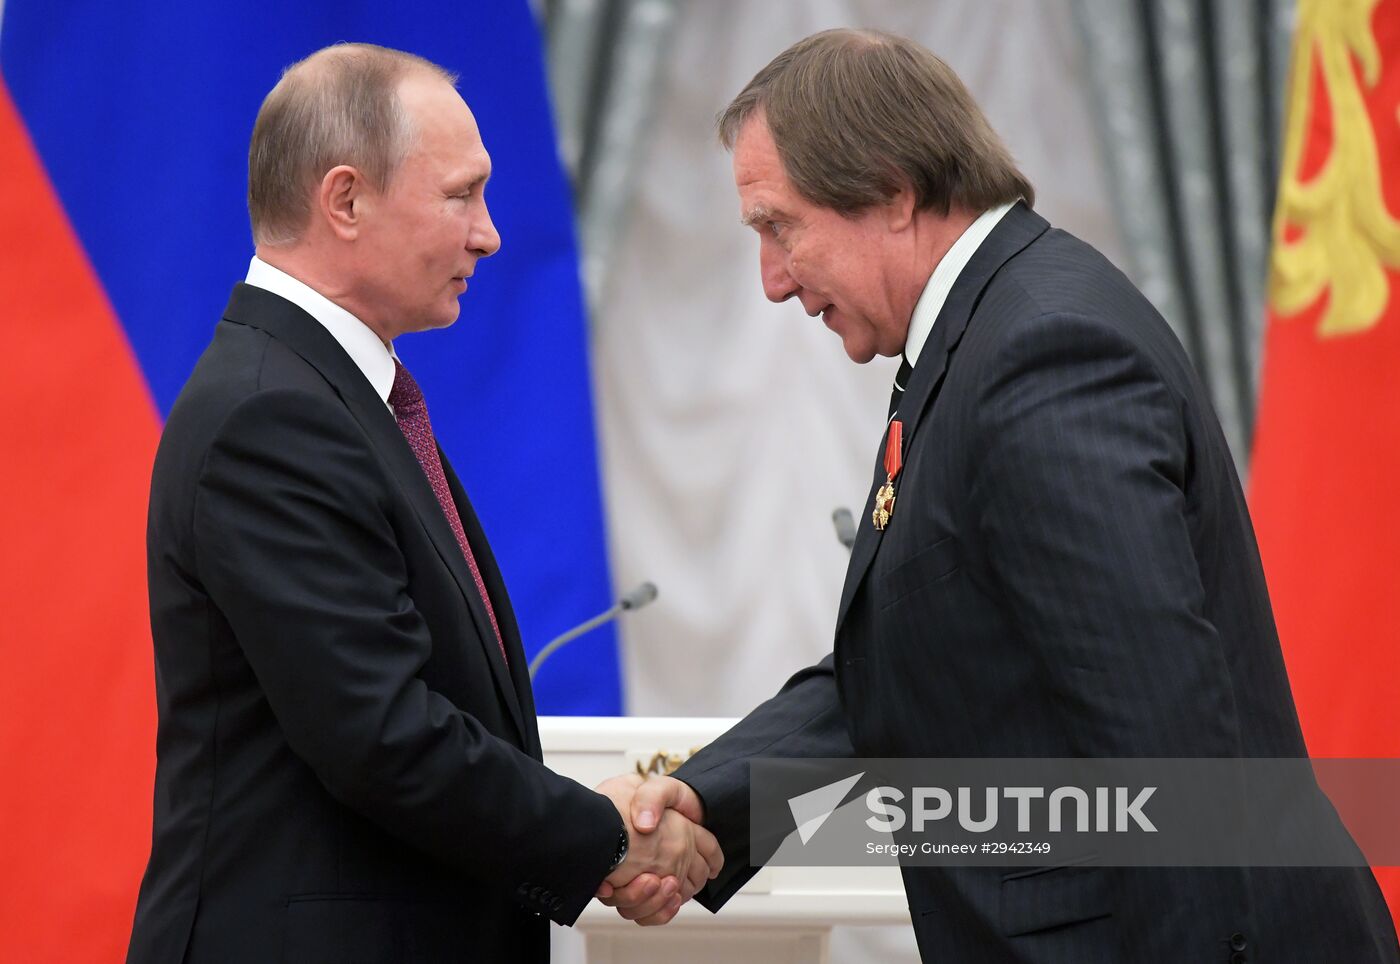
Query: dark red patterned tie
{"points": [[411, 412]]}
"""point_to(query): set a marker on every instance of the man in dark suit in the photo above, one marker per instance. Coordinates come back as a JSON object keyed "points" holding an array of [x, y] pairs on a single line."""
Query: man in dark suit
{"points": [[348, 760], [1068, 567]]}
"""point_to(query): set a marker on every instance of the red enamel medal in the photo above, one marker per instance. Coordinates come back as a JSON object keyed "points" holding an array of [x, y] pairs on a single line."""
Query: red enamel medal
{"points": [[894, 460]]}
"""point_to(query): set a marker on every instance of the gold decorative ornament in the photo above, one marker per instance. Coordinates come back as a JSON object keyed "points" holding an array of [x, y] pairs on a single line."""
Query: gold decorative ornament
{"points": [[1348, 237], [664, 762], [884, 506]]}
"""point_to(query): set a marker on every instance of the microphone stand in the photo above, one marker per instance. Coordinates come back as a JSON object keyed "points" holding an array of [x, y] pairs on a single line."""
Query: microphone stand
{"points": [[636, 599]]}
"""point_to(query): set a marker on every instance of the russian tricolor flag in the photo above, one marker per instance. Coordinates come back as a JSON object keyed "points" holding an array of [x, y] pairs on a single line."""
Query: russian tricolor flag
{"points": [[123, 148]]}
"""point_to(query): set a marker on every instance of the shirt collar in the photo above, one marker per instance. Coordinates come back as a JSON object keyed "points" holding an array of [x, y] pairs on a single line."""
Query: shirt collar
{"points": [[945, 273], [370, 355]]}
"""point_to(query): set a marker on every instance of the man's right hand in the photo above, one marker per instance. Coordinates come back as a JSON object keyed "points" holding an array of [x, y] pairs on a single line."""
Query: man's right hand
{"points": [[674, 855]]}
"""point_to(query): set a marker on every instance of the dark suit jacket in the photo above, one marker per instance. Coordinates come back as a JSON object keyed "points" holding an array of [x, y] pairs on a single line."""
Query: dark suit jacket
{"points": [[1070, 571], [347, 769]]}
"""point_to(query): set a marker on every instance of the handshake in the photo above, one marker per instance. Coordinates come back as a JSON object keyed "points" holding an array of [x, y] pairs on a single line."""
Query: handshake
{"points": [[669, 857]]}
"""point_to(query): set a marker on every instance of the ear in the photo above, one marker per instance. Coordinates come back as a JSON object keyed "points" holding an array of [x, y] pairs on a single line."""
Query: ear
{"points": [[899, 210], [341, 201]]}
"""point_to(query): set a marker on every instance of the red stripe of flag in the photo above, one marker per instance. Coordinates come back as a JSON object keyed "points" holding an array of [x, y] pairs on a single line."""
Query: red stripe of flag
{"points": [[1325, 475], [77, 709]]}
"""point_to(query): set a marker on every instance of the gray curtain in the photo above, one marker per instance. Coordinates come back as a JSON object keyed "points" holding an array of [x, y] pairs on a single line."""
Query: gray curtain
{"points": [[1189, 98], [604, 58]]}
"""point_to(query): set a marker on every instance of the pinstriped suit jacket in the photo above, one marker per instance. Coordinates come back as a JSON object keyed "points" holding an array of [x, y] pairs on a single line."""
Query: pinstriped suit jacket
{"points": [[1070, 571]]}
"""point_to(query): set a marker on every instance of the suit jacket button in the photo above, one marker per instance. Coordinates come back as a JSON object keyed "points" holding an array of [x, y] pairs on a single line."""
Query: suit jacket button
{"points": [[1237, 942], [535, 893], [556, 903]]}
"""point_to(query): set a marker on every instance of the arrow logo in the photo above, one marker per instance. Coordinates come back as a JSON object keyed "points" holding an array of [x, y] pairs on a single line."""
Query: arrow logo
{"points": [[811, 809]]}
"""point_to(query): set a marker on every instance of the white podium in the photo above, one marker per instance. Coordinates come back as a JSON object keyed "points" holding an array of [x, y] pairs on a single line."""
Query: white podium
{"points": [[783, 916]]}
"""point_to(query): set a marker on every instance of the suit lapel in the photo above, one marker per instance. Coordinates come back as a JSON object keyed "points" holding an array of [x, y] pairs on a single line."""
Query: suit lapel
{"points": [[303, 334], [1018, 228], [513, 681]]}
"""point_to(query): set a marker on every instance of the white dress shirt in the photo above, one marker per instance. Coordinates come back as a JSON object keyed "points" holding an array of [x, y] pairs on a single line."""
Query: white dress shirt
{"points": [[370, 355], [944, 274]]}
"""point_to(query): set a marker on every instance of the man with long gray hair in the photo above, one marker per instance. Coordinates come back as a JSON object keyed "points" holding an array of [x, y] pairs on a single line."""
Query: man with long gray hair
{"points": [[1055, 559], [348, 760]]}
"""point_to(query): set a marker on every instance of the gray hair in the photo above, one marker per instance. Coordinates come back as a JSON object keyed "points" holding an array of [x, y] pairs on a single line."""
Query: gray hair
{"points": [[857, 114], [338, 106]]}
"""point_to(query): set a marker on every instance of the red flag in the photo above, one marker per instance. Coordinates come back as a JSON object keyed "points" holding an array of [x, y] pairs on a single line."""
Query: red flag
{"points": [[77, 711], [1325, 476]]}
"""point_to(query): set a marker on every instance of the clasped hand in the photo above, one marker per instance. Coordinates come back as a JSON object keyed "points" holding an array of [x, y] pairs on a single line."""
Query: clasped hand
{"points": [[670, 855]]}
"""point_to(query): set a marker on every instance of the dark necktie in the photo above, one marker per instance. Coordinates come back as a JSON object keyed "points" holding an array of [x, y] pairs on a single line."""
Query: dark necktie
{"points": [[411, 412], [901, 382]]}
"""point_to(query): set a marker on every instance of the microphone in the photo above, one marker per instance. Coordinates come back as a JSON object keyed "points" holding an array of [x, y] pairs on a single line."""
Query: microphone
{"points": [[638, 597], [634, 598], [845, 526]]}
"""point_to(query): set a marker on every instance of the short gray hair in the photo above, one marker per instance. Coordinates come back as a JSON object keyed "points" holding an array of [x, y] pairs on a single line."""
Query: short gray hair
{"points": [[338, 106], [856, 114]]}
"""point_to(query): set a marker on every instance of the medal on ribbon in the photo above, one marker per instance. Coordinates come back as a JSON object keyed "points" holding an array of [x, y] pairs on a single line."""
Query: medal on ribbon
{"points": [[894, 460]]}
